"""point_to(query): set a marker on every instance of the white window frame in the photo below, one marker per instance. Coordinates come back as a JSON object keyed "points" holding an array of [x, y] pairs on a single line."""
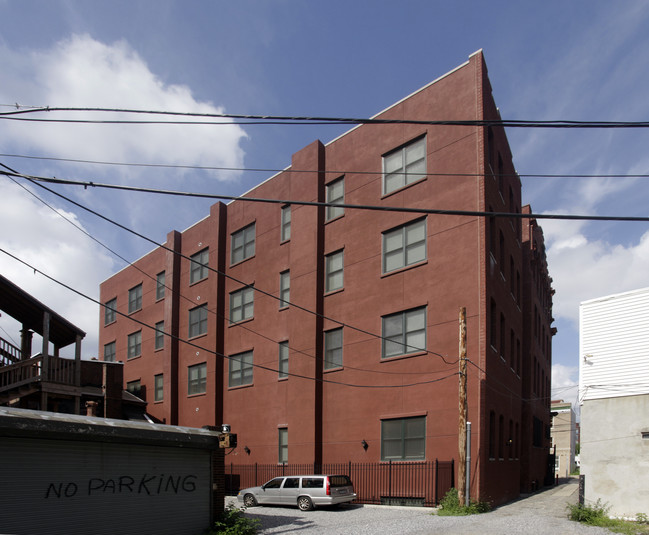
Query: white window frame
{"points": [[242, 244], [242, 304], [199, 263], [285, 226], [134, 345], [335, 194], [405, 340], [110, 352], [110, 314], [158, 387], [335, 271], [159, 341], [402, 247], [284, 288], [135, 299], [333, 349], [134, 387], [240, 369], [197, 321], [283, 360], [404, 166], [160, 286], [282, 445], [197, 379]]}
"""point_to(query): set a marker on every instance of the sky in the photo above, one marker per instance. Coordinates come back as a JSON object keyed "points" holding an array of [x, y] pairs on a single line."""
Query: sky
{"points": [[554, 60]]}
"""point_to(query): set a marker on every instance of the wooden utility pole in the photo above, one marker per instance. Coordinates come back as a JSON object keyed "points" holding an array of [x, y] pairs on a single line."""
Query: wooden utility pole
{"points": [[461, 468]]}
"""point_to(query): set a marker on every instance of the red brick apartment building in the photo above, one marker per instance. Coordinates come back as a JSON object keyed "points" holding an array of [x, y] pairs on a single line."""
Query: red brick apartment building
{"points": [[330, 334]]}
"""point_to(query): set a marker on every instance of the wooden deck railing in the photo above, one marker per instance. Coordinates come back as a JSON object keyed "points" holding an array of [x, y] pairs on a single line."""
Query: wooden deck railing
{"points": [[9, 353], [59, 370]]}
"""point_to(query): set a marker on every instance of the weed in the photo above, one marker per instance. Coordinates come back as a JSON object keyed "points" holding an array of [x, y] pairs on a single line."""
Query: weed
{"points": [[232, 522], [450, 506], [595, 515]]}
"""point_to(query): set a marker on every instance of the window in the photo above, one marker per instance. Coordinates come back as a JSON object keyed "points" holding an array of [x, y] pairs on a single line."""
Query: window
{"points": [[537, 432], [240, 372], [333, 352], [198, 321], [242, 304], [501, 250], [404, 246], [160, 286], [134, 345], [159, 335], [502, 336], [158, 390], [283, 360], [282, 456], [404, 332], [335, 195], [403, 439], [404, 166], [285, 233], [501, 437], [109, 352], [197, 379], [493, 324], [134, 387], [492, 435], [284, 288], [198, 269], [135, 298], [243, 244], [334, 271], [109, 311]]}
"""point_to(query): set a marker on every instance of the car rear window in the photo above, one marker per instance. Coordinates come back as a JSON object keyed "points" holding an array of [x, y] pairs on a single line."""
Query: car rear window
{"points": [[339, 481], [312, 482], [292, 483]]}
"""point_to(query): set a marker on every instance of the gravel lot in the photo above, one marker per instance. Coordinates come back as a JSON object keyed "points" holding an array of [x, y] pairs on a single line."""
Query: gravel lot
{"points": [[543, 513]]}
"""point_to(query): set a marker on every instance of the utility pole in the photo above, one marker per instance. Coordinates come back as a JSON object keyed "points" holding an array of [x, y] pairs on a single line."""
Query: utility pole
{"points": [[461, 467]]}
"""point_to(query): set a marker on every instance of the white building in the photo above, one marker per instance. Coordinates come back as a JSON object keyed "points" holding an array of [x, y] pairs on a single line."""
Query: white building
{"points": [[564, 434], [614, 397]]}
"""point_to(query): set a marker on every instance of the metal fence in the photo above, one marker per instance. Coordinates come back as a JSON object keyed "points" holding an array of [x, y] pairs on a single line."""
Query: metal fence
{"points": [[390, 483]]}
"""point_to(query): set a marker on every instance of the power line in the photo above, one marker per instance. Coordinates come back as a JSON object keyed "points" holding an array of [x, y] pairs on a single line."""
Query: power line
{"points": [[211, 351], [293, 119], [245, 285], [328, 172], [468, 213], [215, 312]]}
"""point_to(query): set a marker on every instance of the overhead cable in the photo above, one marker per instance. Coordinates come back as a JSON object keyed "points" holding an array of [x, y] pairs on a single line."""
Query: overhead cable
{"points": [[296, 119]]}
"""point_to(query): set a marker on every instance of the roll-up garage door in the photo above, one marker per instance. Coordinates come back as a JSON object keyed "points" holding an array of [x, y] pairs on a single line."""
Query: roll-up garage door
{"points": [[69, 487]]}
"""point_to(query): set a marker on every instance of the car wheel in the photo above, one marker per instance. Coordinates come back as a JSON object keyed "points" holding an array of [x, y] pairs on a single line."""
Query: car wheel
{"points": [[249, 500], [304, 503]]}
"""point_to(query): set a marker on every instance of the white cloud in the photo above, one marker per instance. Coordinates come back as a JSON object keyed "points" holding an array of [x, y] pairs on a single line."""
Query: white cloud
{"points": [[565, 383], [83, 72], [45, 240], [584, 269]]}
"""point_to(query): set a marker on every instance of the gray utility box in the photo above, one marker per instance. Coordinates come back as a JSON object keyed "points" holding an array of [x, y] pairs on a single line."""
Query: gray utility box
{"points": [[68, 474]]}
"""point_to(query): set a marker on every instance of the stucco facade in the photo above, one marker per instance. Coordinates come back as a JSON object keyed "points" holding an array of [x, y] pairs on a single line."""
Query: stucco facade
{"points": [[614, 394], [329, 327]]}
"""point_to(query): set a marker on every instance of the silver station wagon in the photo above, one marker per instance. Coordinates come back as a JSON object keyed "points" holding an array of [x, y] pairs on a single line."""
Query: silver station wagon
{"points": [[306, 492]]}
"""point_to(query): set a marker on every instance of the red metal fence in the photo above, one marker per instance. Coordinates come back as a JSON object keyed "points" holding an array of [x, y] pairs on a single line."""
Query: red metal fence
{"points": [[391, 483]]}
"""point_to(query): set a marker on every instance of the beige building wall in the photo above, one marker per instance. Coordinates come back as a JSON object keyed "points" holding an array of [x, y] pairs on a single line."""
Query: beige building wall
{"points": [[615, 453], [564, 437]]}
